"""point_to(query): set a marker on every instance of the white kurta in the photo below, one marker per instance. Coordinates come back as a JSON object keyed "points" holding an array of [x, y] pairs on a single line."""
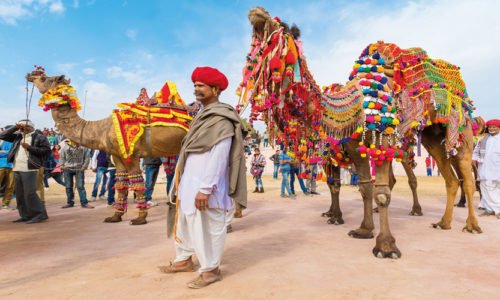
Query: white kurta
{"points": [[204, 232], [207, 173], [489, 173]]}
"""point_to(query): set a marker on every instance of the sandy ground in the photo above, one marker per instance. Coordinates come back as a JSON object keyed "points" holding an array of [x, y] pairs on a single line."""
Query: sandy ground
{"points": [[282, 248]]}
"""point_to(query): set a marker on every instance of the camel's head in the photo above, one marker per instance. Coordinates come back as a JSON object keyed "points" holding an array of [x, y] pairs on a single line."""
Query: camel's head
{"points": [[44, 82], [273, 56], [260, 20]]}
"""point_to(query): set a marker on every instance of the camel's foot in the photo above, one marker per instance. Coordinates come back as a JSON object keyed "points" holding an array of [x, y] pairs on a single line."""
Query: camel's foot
{"points": [[416, 211], [327, 214], [117, 217], [472, 226], [335, 220], [361, 233], [386, 248], [141, 219], [442, 225], [375, 210]]}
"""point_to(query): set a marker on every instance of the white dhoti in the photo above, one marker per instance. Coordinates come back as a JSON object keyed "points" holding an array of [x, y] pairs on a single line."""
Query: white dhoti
{"points": [[490, 192], [202, 234]]}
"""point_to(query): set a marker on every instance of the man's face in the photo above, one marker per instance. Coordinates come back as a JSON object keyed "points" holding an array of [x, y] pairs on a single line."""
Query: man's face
{"points": [[257, 152], [26, 129], [203, 92], [493, 129]]}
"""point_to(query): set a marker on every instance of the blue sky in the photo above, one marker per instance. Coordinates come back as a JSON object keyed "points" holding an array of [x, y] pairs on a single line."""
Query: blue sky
{"points": [[111, 49]]}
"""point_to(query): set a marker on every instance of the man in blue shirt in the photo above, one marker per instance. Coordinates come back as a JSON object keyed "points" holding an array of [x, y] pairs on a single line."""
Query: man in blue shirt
{"points": [[6, 174], [284, 161]]}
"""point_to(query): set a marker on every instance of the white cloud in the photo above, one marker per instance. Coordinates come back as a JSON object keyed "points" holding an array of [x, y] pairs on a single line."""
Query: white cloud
{"points": [[131, 34], [57, 7], [65, 68], [89, 71], [137, 76], [12, 11]]}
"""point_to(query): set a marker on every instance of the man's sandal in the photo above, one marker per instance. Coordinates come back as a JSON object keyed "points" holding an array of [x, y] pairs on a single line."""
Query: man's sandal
{"points": [[173, 269], [199, 282]]}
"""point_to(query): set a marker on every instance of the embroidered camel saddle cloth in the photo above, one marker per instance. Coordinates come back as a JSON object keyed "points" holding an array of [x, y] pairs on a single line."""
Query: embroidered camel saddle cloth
{"points": [[131, 119]]}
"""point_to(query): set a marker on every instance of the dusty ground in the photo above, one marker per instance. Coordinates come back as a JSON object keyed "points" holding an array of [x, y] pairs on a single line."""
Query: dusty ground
{"points": [[281, 248]]}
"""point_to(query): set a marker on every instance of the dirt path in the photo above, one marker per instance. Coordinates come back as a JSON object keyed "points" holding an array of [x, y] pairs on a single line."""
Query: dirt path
{"points": [[281, 248]]}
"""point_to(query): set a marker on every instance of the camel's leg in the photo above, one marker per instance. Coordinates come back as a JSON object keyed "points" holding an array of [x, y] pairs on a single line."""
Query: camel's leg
{"points": [[456, 167], [137, 185], [121, 186], [328, 167], [433, 145], [385, 244], [464, 161], [335, 212], [416, 210], [365, 230], [476, 178]]}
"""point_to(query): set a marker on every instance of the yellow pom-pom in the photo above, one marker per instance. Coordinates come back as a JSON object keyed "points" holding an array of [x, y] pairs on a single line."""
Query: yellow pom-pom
{"points": [[371, 105], [395, 121], [359, 130], [414, 124], [363, 155], [372, 146], [428, 123]]}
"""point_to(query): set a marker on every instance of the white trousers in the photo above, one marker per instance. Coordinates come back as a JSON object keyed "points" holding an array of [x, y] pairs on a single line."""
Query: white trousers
{"points": [[230, 213], [490, 191], [202, 234]]}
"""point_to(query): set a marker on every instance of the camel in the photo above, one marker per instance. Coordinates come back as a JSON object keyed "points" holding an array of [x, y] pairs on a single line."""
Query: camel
{"points": [[160, 142], [271, 85]]}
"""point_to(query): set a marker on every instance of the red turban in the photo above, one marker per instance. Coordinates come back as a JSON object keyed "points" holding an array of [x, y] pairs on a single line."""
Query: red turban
{"points": [[210, 76], [494, 122]]}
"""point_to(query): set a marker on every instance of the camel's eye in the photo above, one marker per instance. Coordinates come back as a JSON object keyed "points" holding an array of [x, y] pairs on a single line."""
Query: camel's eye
{"points": [[43, 78]]}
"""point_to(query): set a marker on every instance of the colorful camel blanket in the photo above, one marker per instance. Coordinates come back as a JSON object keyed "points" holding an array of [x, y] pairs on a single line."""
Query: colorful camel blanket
{"points": [[342, 110], [429, 91], [130, 119]]}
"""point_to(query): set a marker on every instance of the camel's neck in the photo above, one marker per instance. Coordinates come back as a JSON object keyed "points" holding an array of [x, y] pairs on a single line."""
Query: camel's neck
{"points": [[91, 134]]}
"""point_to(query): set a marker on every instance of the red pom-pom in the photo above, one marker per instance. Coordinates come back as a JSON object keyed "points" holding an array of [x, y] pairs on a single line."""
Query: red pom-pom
{"points": [[128, 160], [275, 63], [290, 58]]}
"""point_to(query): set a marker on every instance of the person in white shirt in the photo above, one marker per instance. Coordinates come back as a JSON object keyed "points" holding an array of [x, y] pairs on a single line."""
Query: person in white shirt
{"points": [[487, 157], [208, 181]]}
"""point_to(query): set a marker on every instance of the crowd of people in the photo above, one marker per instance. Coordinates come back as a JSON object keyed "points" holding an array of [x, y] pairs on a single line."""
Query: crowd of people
{"points": [[66, 163], [290, 168]]}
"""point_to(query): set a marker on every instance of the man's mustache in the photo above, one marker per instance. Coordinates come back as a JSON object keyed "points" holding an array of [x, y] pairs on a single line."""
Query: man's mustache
{"points": [[199, 94]]}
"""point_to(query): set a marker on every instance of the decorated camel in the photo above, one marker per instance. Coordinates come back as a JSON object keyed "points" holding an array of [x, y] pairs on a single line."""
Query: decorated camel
{"points": [[365, 120], [129, 133]]}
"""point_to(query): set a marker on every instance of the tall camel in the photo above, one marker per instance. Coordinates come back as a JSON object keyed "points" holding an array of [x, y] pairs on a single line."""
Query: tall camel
{"points": [[294, 98], [162, 141]]}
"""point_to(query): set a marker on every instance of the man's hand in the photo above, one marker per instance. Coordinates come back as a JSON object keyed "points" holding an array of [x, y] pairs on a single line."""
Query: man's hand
{"points": [[201, 201], [25, 145], [94, 170]]}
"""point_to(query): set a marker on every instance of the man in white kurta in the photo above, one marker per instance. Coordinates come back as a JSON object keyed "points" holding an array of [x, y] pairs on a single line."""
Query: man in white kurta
{"points": [[487, 155], [208, 181]]}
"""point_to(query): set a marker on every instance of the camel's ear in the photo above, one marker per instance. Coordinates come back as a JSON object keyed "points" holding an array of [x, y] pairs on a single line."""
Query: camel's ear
{"points": [[62, 79]]}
